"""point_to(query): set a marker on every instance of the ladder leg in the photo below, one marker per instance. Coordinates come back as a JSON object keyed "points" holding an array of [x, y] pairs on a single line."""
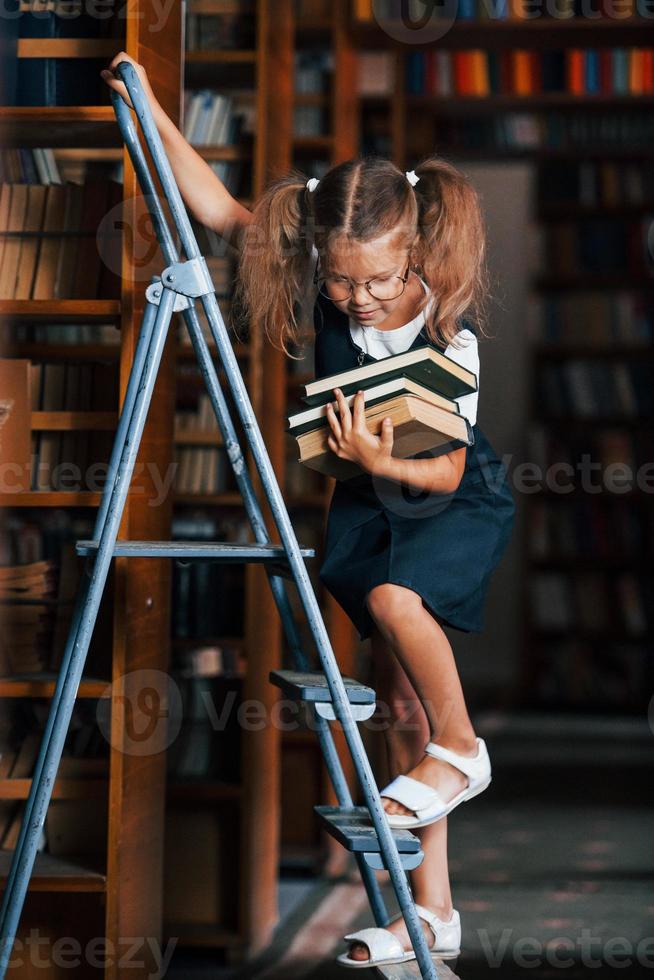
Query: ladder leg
{"points": [[142, 347], [60, 713]]}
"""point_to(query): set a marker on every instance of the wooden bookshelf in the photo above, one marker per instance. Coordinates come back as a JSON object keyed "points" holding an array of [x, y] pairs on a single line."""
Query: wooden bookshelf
{"points": [[118, 891], [595, 654], [231, 905]]}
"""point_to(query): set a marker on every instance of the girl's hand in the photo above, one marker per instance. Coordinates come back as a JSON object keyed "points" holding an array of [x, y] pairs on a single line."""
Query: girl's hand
{"points": [[351, 439], [120, 87]]}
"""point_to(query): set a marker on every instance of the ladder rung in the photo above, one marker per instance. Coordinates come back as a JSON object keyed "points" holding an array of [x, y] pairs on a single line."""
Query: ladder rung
{"points": [[223, 551], [312, 686], [353, 828]]}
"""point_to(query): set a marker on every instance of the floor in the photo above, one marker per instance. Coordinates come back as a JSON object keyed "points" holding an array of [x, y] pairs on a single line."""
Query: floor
{"points": [[552, 867]]}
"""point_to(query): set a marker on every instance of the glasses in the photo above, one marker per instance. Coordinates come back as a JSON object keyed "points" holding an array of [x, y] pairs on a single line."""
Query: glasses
{"points": [[339, 288]]}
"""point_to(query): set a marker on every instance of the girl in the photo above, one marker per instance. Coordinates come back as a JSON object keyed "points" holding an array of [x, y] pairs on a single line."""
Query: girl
{"points": [[385, 261]]}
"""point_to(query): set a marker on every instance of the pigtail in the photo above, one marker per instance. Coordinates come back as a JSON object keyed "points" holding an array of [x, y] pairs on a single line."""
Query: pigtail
{"points": [[274, 261], [451, 249]]}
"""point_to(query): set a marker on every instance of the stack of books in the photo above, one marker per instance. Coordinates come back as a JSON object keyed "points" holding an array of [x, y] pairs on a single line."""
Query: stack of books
{"points": [[416, 389]]}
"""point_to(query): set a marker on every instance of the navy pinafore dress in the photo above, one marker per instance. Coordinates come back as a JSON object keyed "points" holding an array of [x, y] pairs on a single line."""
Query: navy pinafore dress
{"points": [[442, 546]]}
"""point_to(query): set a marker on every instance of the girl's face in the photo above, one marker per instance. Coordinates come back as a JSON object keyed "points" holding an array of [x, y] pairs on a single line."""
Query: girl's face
{"points": [[359, 262]]}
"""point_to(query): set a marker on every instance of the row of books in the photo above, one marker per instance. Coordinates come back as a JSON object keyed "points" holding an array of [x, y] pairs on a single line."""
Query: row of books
{"points": [[52, 459], [71, 827], [220, 31], [55, 81], [309, 120], [590, 528], [594, 390], [202, 469], [208, 745], [29, 165], [58, 82], [585, 673], [592, 601], [65, 18], [38, 562], [211, 118], [27, 593], [574, 71], [56, 244], [596, 183], [551, 131], [600, 245], [208, 598], [594, 319], [36, 613], [413, 11], [73, 386], [66, 334], [313, 71], [417, 389], [548, 447]]}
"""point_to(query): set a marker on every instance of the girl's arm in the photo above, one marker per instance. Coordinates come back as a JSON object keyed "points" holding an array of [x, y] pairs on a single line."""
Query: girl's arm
{"points": [[204, 194], [440, 475]]}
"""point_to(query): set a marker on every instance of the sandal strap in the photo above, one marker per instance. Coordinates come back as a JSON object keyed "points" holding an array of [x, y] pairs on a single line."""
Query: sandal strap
{"points": [[411, 793], [472, 767], [381, 943], [433, 919]]}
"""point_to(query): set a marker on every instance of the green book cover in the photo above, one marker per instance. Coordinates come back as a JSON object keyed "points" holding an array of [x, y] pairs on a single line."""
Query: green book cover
{"points": [[425, 365]]}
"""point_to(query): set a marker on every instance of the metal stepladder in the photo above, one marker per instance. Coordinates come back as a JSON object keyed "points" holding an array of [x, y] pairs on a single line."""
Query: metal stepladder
{"points": [[363, 830]]}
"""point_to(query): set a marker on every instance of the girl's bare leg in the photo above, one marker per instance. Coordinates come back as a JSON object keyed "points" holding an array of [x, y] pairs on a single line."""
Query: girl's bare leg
{"points": [[406, 732], [424, 652]]}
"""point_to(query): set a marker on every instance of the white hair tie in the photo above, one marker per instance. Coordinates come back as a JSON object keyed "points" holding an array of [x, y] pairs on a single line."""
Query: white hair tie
{"points": [[412, 177], [312, 183]]}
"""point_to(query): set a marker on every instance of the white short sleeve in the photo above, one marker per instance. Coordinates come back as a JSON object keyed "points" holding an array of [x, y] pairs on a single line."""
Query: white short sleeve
{"points": [[467, 355]]}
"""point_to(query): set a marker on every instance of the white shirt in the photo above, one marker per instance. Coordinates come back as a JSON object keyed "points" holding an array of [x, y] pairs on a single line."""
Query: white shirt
{"points": [[384, 343]]}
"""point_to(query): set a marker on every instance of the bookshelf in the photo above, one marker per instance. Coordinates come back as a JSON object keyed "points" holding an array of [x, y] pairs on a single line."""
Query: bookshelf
{"points": [[222, 812], [320, 130], [99, 873], [573, 96], [588, 606]]}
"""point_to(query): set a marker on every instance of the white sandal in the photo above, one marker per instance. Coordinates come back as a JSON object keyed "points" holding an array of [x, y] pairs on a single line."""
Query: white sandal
{"points": [[427, 803], [385, 948]]}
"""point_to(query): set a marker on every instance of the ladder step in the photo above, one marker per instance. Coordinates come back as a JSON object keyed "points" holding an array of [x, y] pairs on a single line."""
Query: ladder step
{"points": [[353, 828], [222, 551], [312, 686]]}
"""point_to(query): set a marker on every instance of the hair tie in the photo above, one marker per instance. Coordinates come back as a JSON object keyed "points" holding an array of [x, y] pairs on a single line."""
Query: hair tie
{"points": [[412, 177], [312, 183]]}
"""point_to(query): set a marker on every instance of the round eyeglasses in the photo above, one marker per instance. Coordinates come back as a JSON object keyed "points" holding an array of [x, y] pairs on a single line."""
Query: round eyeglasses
{"points": [[340, 288]]}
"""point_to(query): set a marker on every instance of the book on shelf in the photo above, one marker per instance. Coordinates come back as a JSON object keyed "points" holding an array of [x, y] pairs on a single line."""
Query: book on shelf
{"points": [[376, 73], [416, 389], [52, 247], [56, 81], [576, 72], [15, 447], [376, 11], [597, 184], [68, 459], [221, 30]]}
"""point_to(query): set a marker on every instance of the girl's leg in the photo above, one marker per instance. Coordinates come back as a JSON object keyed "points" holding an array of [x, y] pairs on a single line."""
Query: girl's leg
{"points": [[406, 734], [425, 654]]}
